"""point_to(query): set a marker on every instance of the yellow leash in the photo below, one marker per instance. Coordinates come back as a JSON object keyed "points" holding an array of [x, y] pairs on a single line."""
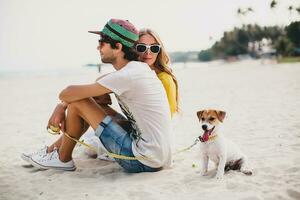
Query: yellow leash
{"points": [[56, 130], [196, 141], [189, 147]]}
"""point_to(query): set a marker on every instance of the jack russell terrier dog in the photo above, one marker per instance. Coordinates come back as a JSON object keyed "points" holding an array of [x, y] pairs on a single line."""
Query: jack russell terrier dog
{"points": [[223, 152]]}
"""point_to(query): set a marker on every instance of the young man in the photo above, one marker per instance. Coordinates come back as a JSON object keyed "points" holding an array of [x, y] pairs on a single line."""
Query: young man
{"points": [[146, 134]]}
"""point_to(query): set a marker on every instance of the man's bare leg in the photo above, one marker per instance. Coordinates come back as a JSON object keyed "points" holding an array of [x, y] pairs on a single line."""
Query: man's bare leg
{"points": [[56, 145], [85, 110]]}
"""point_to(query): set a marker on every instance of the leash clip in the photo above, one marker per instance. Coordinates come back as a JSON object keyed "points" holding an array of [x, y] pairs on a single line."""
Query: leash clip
{"points": [[196, 141], [200, 139]]}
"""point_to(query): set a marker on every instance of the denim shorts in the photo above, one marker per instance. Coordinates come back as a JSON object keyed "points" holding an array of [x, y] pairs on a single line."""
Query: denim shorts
{"points": [[116, 140]]}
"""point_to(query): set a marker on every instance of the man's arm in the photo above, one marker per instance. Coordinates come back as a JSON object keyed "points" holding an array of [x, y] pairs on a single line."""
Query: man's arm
{"points": [[77, 92]]}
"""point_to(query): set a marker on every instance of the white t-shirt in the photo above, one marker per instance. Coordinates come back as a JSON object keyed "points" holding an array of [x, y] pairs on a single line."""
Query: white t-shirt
{"points": [[143, 100]]}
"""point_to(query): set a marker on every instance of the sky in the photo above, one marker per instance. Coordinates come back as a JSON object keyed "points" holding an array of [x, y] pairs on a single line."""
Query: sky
{"points": [[54, 33]]}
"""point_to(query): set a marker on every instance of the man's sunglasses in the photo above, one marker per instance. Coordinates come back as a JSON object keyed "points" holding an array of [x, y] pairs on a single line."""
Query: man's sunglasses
{"points": [[141, 48], [104, 40]]}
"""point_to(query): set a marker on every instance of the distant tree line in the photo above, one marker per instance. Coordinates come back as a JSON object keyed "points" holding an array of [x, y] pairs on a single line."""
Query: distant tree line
{"points": [[249, 40]]}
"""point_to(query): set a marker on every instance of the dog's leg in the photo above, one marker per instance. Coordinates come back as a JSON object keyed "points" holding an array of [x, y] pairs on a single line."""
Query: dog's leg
{"points": [[221, 166], [244, 167], [204, 165]]}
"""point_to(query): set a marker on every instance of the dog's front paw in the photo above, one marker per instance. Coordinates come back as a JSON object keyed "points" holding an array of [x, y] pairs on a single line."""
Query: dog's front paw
{"points": [[204, 173]]}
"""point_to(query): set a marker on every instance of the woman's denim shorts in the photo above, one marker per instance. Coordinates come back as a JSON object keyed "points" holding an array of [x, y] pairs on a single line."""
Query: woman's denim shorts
{"points": [[116, 140]]}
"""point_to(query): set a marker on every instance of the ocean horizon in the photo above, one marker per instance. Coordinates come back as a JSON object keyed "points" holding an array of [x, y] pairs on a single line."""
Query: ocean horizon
{"points": [[8, 72], [18, 72]]}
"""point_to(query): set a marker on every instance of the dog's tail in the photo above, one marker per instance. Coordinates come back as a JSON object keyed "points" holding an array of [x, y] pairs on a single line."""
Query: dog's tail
{"points": [[234, 165]]}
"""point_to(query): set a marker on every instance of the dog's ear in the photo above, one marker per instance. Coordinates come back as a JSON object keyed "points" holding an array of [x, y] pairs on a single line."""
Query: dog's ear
{"points": [[221, 115], [199, 114]]}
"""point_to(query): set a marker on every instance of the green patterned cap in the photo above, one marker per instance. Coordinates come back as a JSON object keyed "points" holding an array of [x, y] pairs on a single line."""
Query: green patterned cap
{"points": [[120, 30]]}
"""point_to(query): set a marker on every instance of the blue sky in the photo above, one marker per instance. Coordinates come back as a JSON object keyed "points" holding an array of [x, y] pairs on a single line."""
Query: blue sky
{"points": [[46, 33]]}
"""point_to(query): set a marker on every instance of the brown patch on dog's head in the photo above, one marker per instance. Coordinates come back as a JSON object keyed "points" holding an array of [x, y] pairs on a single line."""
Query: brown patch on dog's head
{"points": [[211, 116]]}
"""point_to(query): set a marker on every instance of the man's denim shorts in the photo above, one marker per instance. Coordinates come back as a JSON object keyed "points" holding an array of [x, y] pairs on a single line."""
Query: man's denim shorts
{"points": [[116, 140]]}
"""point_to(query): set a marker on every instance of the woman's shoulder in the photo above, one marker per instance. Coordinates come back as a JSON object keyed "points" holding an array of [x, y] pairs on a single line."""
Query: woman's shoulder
{"points": [[166, 79], [164, 76]]}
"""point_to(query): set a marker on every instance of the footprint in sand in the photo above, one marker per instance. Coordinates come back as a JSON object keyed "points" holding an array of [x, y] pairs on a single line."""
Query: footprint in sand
{"points": [[293, 170], [294, 194]]}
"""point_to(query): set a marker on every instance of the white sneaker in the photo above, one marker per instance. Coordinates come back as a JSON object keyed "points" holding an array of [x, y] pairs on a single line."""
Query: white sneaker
{"points": [[41, 152], [51, 161]]}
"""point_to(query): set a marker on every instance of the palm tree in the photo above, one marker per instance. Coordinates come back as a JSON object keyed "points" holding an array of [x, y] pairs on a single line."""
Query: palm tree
{"points": [[298, 10], [239, 11], [273, 4]]}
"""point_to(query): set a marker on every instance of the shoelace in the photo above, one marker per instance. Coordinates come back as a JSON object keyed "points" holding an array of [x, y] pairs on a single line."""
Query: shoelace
{"points": [[39, 152], [48, 156]]}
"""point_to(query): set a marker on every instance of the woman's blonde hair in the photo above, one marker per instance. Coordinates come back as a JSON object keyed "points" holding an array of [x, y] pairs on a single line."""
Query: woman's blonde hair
{"points": [[163, 60]]}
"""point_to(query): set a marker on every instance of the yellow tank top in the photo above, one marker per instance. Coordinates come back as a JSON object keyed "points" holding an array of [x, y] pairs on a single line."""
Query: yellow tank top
{"points": [[170, 89]]}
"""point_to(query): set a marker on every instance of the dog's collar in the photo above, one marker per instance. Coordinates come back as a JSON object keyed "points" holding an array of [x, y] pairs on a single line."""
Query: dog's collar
{"points": [[210, 138]]}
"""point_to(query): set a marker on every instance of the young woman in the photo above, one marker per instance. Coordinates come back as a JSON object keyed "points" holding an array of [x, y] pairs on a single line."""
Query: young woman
{"points": [[151, 50]]}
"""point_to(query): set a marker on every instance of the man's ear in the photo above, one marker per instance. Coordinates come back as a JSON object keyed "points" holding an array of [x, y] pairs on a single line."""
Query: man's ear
{"points": [[119, 46], [221, 115], [199, 114]]}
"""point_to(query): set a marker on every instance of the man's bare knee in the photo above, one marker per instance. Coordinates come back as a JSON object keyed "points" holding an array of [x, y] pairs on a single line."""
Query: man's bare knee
{"points": [[88, 110], [77, 105]]}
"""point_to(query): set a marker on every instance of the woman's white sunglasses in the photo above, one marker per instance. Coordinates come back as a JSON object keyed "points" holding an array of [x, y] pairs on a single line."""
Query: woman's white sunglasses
{"points": [[141, 48]]}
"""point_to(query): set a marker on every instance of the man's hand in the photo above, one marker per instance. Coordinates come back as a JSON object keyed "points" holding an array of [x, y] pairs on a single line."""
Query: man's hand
{"points": [[103, 100], [58, 116]]}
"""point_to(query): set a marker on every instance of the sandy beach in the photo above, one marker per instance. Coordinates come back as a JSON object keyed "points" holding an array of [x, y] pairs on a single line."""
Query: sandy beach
{"points": [[262, 103]]}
